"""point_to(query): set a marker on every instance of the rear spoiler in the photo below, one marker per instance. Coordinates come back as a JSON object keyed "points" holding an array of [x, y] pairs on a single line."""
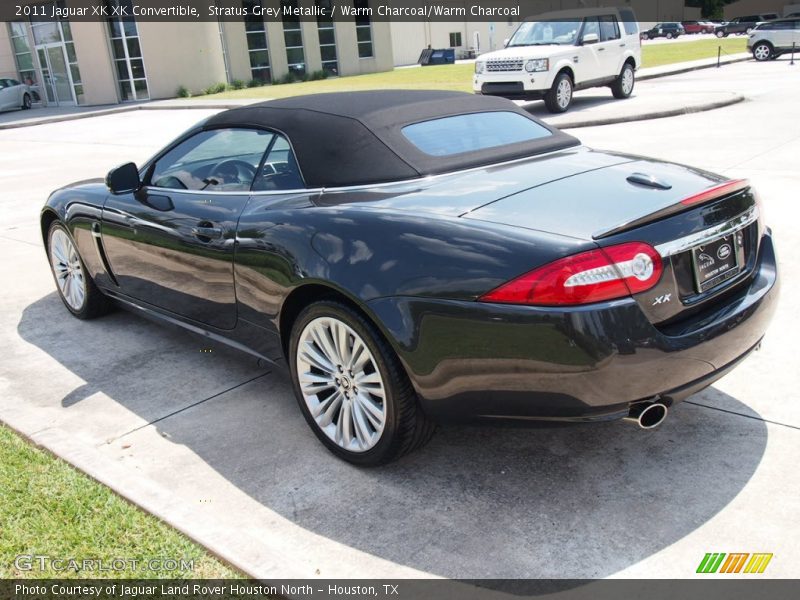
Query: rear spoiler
{"points": [[713, 193]]}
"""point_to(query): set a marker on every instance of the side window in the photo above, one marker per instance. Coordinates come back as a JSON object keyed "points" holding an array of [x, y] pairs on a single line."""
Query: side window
{"points": [[609, 30], [224, 160], [280, 170], [629, 21], [591, 26]]}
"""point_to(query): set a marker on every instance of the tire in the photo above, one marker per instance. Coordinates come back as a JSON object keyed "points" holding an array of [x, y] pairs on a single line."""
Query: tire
{"points": [[763, 51], [354, 424], [670, 36], [76, 289], [559, 97], [623, 85], [645, 36], [26, 102], [721, 34]]}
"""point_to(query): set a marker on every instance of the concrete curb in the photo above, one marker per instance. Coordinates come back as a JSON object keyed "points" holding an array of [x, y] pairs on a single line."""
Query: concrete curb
{"points": [[222, 105], [695, 67], [662, 114]]}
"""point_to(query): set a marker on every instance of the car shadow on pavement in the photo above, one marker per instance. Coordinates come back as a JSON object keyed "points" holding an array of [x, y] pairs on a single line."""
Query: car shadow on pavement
{"points": [[579, 102], [576, 501]]}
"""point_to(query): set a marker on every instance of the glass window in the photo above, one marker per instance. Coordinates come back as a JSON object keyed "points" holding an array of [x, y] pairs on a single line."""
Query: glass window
{"points": [[215, 160], [363, 29], [124, 36], [293, 38], [280, 170], [257, 43], [609, 30], [327, 38], [555, 31], [590, 26], [473, 132], [455, 39]]}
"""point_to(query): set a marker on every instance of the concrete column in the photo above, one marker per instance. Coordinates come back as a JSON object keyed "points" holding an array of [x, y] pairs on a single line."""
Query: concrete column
{"points": [[95, 62]]}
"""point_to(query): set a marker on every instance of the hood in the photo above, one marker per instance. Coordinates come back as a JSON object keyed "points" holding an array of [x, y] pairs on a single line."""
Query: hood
{"points": [[526, 52]]}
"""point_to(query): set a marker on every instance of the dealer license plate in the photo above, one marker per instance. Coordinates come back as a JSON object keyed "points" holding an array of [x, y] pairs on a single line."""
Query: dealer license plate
{"points": [[715, 262]]}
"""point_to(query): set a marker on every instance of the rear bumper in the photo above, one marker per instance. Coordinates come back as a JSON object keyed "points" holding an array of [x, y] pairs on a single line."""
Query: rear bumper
{"points": [[472, 360]]}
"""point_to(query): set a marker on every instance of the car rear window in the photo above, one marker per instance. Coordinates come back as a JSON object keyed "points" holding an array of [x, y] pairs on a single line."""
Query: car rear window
{"points": [[472, 132]]}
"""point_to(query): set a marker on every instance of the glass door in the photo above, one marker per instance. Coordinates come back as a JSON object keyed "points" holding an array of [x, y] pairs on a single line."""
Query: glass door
{"points": [[55, 74]]}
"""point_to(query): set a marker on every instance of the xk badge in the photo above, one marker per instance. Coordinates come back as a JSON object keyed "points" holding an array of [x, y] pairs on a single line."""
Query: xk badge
{"points": [[662, 299]]}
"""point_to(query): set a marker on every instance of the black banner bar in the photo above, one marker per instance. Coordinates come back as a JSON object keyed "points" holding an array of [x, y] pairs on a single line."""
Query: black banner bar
{"points": [[713, 588], [338, 10]]}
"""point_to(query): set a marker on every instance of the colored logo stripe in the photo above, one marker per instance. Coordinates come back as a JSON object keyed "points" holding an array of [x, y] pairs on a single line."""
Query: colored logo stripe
{"points": [[713, 562], [758, 563]]}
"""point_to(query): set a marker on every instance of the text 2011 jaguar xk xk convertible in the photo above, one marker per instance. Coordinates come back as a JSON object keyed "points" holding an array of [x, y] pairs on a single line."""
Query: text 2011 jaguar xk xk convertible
{"points": [[418, 256]]}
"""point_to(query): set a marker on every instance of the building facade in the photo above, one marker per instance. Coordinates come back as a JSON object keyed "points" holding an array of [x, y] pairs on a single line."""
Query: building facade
{"points": [[113, 61]]}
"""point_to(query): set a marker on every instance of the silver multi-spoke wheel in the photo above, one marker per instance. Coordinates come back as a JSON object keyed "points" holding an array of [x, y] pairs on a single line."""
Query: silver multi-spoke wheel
{"points": [[341, 384], [762, 52], [564, 93], [68, 270], [627, 81]]}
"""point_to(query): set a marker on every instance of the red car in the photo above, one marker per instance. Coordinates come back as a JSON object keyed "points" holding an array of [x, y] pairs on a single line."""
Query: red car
{"points": [[698, 27]]}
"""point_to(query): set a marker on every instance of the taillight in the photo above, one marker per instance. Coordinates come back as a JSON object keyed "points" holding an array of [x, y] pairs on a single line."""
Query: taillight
{"points": [[593, 276]]}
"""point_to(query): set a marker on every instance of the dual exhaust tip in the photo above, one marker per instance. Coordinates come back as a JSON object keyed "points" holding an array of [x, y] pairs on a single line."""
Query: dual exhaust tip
{"points": [[647, 415]]}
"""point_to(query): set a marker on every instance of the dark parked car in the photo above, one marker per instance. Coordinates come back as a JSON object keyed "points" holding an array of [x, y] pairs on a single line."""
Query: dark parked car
{"points": [[417, 256], [743, 25], [667, 30]]}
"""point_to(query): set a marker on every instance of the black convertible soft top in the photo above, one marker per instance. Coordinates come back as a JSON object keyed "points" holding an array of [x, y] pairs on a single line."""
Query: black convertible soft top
{"points": [[355, 138]]}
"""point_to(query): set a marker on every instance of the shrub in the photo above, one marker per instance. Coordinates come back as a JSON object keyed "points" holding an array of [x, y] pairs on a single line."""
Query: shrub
{"points": [[317, 75], [183, 92], [237, 84], [255, 83], [217, 88]]}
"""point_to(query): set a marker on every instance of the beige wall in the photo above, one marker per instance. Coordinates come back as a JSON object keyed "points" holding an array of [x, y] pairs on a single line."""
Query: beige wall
{"points": [[94, 62], [8, 68], [175, 54]]}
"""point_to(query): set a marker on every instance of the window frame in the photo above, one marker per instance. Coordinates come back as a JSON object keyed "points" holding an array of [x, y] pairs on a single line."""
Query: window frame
{"points": [[147, 171]]}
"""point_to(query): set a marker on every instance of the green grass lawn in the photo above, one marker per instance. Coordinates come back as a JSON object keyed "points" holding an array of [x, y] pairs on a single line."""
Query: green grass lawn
{"points": [[656, 55], [459, 77], [49, 508]]}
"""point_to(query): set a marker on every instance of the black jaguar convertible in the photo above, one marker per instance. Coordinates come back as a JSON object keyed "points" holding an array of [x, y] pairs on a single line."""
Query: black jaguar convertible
{"points": [[420, 256]]}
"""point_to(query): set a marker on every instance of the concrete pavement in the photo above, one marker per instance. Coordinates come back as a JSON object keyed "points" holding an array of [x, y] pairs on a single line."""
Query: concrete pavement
{"points": [[214, 443]]}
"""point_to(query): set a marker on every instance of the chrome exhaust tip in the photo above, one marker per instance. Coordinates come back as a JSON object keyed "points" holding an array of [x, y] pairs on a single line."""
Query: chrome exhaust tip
{"points": [[647, 415]]}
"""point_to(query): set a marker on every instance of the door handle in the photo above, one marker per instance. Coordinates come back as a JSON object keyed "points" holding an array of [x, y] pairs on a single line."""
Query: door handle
{"points": [[209, 233], [601, 49], [622, 45]]}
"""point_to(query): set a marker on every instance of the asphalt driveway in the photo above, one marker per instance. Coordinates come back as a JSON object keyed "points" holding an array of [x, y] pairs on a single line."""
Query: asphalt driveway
{"points": [[213, 442]]}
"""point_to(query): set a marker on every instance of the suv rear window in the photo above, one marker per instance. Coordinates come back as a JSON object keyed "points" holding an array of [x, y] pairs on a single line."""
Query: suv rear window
{"points": [[472, 132]]}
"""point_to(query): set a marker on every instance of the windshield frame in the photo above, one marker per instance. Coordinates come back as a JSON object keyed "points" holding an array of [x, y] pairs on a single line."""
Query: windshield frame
{"points": [[581, 21]]}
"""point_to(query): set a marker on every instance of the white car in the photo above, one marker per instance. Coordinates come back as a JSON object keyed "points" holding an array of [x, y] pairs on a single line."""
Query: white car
{"points": [[769, 40], [553, 55], [14, 94]]}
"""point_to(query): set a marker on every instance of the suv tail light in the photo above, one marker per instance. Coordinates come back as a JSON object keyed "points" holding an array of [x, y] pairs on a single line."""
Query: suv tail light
{"points": [[593, 276]]}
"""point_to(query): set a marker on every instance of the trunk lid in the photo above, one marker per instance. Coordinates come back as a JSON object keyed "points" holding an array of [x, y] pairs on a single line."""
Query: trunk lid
{"points": [[708, 249]]}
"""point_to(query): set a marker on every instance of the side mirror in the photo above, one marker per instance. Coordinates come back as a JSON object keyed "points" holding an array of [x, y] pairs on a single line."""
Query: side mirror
{"points": [[590, 38], [124, 179]]}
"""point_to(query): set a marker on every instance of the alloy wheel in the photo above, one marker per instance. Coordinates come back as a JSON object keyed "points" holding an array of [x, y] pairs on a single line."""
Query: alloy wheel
{"points": [[564, 93], [627, 81], [762, 52], [341, 384], [68, 269]]}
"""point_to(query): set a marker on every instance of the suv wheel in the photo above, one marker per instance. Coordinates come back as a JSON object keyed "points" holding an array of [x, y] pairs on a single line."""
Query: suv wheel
{"points": [[559, 98], [26, 102], [623, 86], [645, 36], [762, 51], [669, 35], [721, 34]]}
